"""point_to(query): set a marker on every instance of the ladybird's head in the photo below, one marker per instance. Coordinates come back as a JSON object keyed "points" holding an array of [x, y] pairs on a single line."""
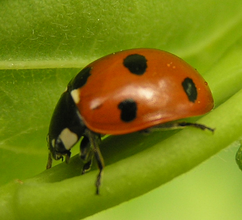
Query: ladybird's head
{"points": [[66, 128], [57, 148]]}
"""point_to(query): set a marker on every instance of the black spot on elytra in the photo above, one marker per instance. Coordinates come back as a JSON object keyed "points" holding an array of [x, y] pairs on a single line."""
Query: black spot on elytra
{"points": [[128, 109], [136, 64], [80, 79], [190, 89]]}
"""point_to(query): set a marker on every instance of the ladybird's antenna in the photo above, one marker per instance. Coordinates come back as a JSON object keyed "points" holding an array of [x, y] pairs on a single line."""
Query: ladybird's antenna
{"points": [[49, 161]]}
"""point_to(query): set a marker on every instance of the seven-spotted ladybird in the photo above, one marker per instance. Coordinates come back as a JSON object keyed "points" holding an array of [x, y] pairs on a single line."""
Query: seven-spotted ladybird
{"points": [[124, 92]]}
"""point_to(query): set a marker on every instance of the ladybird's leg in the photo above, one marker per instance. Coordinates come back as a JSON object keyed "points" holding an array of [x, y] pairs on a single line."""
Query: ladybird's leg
{"points": [[100, 163], [195, 125], [86, 154], [94, 141], [178, 125], [85, 149], [87, 166]]}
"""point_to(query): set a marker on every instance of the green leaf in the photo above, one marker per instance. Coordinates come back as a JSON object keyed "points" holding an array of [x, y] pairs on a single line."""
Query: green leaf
{"points": [[44, 44]]}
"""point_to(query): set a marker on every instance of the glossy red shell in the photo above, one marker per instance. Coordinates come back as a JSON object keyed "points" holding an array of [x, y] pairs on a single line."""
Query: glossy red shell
{"points": [[158, 92]]}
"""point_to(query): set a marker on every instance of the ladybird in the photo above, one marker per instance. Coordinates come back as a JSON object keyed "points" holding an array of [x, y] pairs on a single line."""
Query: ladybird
{"points": [[124, 92]]}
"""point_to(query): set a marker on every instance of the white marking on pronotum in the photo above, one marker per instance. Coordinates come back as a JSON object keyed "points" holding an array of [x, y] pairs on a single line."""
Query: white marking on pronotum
{"points": [[68, 138], [75, 95]]}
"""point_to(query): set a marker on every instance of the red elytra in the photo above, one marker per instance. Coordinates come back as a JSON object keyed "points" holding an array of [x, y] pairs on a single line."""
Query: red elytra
{"points": [[158, 92], [124, 92]]}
